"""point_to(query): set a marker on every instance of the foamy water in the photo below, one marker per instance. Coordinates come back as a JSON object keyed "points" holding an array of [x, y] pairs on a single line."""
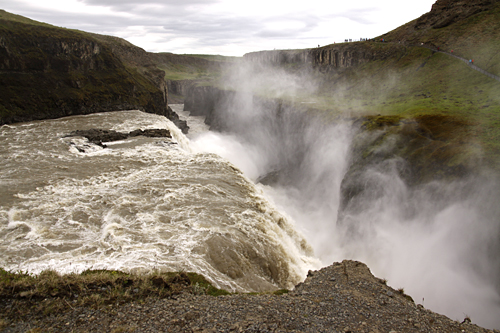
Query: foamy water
{"points": [[141, 204]]}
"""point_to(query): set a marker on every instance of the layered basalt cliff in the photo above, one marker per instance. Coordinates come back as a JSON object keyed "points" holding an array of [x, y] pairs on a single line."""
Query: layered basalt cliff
{"points": [[279, 57], [179, 88], [49, 72], [346, 55], [285, 126], [330, 57]]}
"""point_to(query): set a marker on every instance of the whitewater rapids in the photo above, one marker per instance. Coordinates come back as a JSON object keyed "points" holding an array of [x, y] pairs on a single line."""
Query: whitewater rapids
{"points": [[140, 205]]}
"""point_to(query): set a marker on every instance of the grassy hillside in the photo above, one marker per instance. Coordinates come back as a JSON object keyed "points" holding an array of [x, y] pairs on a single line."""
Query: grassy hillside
{"points": [[21, 19], [414, 81], [194, 67], [476, 37]]}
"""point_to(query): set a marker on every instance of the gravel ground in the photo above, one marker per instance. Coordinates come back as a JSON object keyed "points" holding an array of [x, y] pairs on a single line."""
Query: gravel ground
{"points": [[344, 297]]}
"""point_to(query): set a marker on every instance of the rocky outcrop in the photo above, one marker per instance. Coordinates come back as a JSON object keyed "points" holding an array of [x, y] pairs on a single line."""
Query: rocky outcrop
{"points": [[98, 136], [447, 12], [178, 89], [418, 150]]}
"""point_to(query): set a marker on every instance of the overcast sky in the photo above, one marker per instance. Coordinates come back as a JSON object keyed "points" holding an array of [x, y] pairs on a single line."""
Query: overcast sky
{"points": [[227, 27]]}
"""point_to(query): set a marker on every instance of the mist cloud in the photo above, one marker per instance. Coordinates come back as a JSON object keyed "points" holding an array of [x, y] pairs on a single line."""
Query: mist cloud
{"points": [[438, 240]]}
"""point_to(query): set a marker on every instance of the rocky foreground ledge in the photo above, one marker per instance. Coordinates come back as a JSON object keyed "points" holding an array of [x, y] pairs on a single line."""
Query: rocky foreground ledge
{"points": [[343, 297]]}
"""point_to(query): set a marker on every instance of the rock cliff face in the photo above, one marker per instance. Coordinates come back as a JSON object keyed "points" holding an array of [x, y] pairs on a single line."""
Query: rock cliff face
{"points": [[283, 124], [200, 101], [179, 88], [330, 57], [420, 150], [280, 57], [49, 72], [338, 56]]}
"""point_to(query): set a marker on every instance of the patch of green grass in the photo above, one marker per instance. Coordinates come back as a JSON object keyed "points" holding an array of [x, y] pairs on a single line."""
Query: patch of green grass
{"points": [[477, 37], [50, 292], [281, 292], [21, 19]]}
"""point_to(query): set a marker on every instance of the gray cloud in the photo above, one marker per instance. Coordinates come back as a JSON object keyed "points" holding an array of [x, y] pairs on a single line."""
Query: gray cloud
{"points": [[359, 15], [276, 33], [162, 21], [127, 4]]}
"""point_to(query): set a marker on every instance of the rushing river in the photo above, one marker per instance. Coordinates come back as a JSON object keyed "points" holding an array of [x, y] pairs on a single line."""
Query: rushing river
{"points": [[141, 204]]}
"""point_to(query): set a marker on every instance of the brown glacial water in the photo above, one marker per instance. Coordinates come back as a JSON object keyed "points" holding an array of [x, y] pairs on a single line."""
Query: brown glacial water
{"points": [[142, 204]]}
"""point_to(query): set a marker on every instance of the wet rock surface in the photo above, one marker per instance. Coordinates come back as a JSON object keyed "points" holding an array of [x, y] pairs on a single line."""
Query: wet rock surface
{"points": [[343, 297], [98, 136]]}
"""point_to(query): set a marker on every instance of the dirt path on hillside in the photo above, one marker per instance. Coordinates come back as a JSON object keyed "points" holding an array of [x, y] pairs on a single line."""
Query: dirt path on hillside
{"points": [[467, 61]]}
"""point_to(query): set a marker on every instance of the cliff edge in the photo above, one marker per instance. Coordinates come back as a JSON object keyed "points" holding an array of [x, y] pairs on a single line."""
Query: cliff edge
{"points": [[50, 72], [343, 297]]}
